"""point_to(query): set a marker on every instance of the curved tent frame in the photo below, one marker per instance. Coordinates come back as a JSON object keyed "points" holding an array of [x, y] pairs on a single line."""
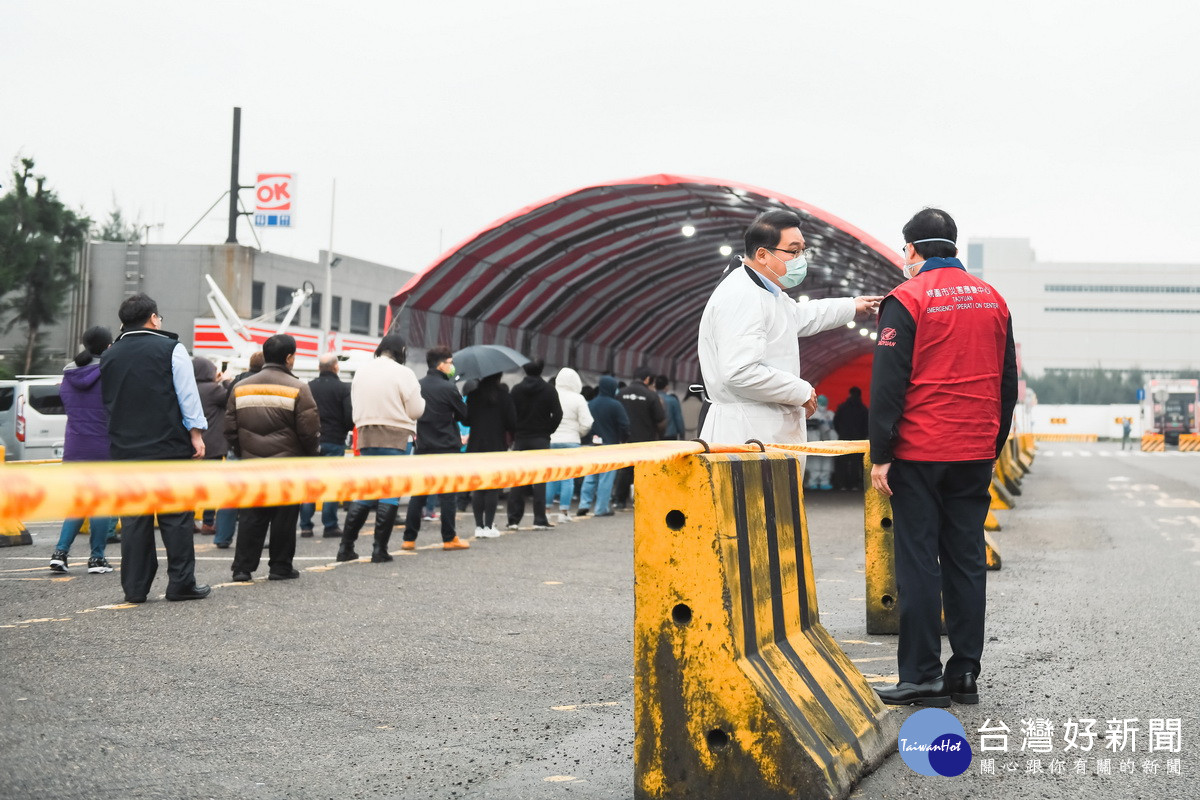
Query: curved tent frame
{"points": [[603, 278]]}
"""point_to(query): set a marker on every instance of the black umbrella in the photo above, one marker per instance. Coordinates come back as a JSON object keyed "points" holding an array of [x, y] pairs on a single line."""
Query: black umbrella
{"points": [[480, 360]]}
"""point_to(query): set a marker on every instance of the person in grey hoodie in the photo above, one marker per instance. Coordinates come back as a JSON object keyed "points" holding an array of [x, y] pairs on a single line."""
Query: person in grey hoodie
{"points": [[576, 422], [86, 440]]}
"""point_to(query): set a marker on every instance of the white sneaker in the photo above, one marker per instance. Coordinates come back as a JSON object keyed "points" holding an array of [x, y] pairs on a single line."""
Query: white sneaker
{"points": [[565, 516], [486, 533], [493, 533], [512, 526]]}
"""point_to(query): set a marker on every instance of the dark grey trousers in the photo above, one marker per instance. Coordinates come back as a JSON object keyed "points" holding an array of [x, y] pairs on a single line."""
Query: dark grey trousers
{"points": [[939, 510]]}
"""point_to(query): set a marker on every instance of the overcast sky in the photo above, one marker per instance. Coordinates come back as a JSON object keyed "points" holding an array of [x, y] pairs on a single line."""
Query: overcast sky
{"points": [[1074, 124]]}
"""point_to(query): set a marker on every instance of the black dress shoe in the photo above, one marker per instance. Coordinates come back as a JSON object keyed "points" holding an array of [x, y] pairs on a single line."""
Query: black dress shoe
{"points": [[284, 576], [332, 533], [242, 577], [135, 599], [963, 689], [933, 693], [197, 592]]}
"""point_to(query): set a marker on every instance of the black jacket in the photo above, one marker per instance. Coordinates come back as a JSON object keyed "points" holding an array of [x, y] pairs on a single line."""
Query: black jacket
{"points": [[850, 419], [437, 429], [333, 406], [609, 420], [538, 408], [145, 421], [491, 416], [647, 420]]}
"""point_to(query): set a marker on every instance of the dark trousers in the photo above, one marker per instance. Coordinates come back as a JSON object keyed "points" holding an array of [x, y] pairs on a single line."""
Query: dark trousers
{"points": [[252, 531], [517, 494], [939, 510], [622, 486], [416, 507], [483, 504], [848, 472], [139, 562]]}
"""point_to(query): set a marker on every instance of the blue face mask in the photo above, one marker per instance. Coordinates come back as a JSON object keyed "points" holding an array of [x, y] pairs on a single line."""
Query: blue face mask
{"points": [[796, 270]]}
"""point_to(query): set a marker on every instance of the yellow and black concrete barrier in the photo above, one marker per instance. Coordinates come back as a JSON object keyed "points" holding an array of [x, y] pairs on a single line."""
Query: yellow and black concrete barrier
{"points": [[882, 593], [740, 692], [12, 532], [1189, 442], [1066, 437], [1153, 443]]}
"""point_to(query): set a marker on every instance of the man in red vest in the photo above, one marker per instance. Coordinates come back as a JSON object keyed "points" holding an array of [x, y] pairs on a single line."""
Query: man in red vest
{"points": [[943, 389]]}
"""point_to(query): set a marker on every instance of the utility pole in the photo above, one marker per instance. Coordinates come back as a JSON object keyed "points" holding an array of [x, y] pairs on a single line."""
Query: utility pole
{"points": [[327, 299], [233, 177]]}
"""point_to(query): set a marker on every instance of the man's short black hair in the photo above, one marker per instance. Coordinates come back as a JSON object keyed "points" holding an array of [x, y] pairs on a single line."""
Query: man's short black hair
{"points": [[394, 344], [534, 367], [932, 223], [277, 349], [641, 373], [136, 311], [767, 228], [661, 382], [437, 354]]}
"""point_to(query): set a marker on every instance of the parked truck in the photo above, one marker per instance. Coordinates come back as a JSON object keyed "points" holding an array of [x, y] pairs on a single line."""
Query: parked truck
{"points": [[1169, 407]]}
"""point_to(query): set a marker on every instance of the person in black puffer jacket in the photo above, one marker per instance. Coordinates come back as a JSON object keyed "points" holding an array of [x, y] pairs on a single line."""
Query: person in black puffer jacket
{"points": [[437, 432], [492, 418], [538, 415]]}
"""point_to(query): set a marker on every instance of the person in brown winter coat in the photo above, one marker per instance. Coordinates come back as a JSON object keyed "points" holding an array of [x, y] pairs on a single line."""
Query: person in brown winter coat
{"points": [[271, 414]]}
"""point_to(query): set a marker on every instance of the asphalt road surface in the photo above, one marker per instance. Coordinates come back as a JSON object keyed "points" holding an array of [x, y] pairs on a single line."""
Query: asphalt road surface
{"points": [[505, 671]]}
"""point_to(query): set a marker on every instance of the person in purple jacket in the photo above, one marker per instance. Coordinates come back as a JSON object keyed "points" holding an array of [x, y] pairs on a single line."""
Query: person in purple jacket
{"points": [[86, 440]]}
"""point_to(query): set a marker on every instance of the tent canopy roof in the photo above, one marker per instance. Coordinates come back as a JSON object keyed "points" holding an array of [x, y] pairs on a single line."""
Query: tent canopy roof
{"points": [[603, 278]]}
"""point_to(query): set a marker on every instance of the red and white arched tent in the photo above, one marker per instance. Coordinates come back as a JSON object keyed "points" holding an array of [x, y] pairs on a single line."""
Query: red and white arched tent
{"points": [[603, 278]]}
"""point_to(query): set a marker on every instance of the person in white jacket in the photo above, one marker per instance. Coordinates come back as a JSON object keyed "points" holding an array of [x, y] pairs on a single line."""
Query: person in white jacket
{"points": [[576, 422], [749, 349]]}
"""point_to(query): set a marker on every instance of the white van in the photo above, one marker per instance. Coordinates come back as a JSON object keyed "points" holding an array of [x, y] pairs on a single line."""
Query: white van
{"points": [[33, 421]]}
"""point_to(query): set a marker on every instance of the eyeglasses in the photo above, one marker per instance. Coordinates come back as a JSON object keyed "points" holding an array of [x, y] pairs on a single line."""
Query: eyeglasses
{"points": [[161, 318], [804, 251]]}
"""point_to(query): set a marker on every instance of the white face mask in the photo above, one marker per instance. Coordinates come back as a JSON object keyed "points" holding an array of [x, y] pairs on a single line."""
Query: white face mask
{"points": [[911, 270], [795, 271]]}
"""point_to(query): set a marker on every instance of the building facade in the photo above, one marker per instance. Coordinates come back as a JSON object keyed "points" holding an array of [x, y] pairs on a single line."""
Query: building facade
{"points": [[1077, 316], [256, 283]]}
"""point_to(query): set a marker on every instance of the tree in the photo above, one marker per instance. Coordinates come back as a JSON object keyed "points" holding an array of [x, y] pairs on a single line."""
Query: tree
{"points": [[117, 229], [39, 240]]}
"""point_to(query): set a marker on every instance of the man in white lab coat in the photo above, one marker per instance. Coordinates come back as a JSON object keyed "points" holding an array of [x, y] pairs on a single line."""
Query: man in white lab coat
{"points": [[749, 348]]}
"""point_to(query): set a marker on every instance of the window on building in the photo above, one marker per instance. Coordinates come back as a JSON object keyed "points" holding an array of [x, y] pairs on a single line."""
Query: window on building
{"points": [[1120, 288], [360, 317], [256, 298], [335, 313], [382, 319], [283, 301], [314, 313], [1061, 309], [975, 259]]}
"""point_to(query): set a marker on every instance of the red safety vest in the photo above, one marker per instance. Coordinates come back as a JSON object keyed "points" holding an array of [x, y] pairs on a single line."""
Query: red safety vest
{"points": [[952, 406]]}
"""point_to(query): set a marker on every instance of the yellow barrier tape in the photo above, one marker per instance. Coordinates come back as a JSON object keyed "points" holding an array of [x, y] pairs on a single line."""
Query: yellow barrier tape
{"points": [[833, 448], [87, 489]]}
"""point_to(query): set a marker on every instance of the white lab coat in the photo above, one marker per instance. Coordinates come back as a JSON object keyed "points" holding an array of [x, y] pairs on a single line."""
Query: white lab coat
{"points": [[750, 359]]}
